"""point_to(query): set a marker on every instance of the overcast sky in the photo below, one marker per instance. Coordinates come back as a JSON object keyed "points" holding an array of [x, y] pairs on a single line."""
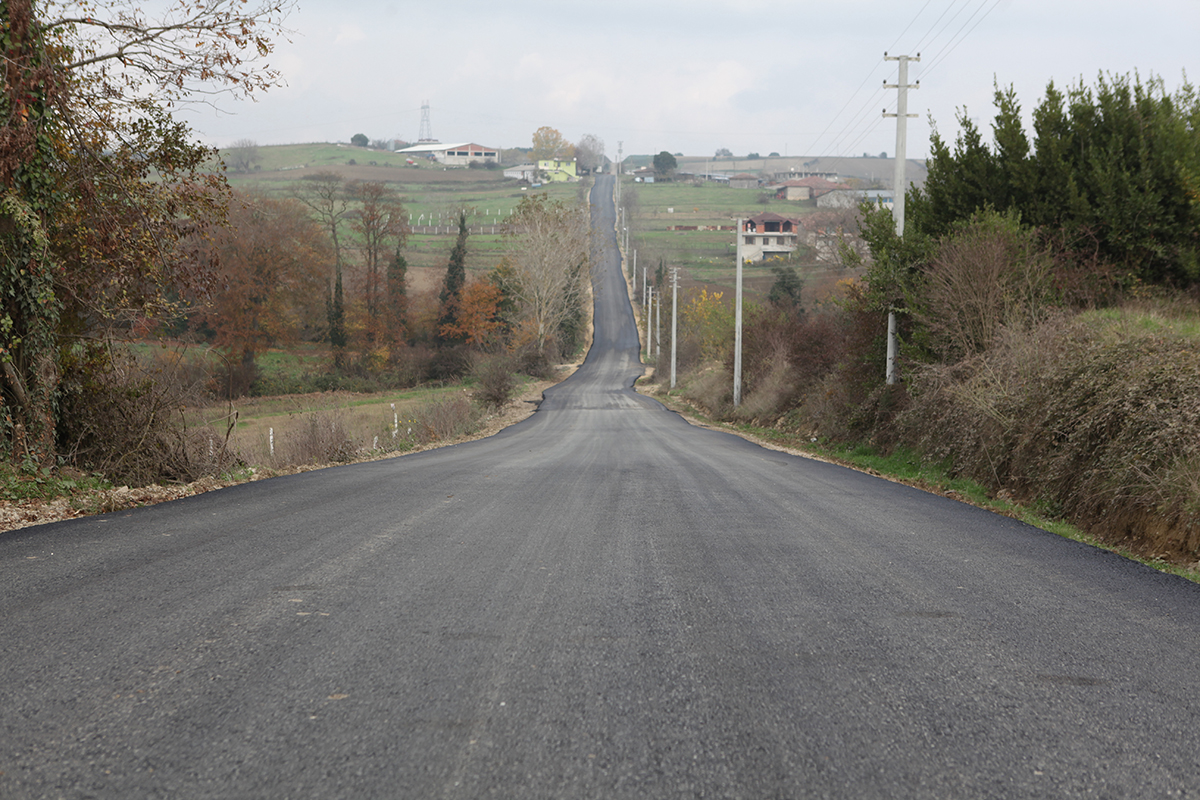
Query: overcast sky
{"points": [[798, 77]]}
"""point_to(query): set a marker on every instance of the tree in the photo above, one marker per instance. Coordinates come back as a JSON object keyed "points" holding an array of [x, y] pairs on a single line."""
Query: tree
{"points": [[242, 155], [589, 153], [723, 152], [664, 164], [1114, 168], [274, 261], [752, 155], [456, 278], [325, 195], [785, 292], [476, 319], [395, 322], [547, 245], [102, 194], [359, 140], [548, 143], [379, 222]]}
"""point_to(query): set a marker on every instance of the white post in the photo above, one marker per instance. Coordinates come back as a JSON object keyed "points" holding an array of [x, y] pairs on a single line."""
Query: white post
{"points": [[271, 440], [737, 324], [395, 422]]}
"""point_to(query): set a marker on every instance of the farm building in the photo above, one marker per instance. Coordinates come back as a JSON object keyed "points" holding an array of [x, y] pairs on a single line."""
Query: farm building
{"points": [[522, 172], [452, 155], [744, 180]]}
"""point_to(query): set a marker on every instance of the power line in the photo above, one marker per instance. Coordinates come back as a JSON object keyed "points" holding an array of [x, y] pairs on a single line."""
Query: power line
{"points": [[939, 58]]}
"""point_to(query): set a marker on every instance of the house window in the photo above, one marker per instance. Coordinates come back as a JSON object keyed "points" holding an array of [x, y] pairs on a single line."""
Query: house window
{"points": [[749, 240]]}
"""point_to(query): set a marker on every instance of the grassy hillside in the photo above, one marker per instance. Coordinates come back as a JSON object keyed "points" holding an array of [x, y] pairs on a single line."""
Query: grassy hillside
{"points": [[431, 194]]}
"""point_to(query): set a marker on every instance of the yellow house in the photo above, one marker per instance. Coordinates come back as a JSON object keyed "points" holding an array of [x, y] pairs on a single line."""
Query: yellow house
{"points": [[553, 170]]}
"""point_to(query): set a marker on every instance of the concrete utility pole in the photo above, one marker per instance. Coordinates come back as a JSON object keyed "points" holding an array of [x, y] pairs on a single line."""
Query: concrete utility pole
{"points": [[649, 313], [645, 284], [901, 116], [617, 172], [674, 320], [737, 324], [635, 267], [658, 330]]}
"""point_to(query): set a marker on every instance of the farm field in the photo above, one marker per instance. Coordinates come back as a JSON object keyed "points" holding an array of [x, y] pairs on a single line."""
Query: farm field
{"points": [[707, 257], [431, 194]]}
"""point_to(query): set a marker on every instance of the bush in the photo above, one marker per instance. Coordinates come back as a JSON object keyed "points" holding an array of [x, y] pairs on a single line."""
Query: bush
{"points": [[446, 419], [124, 419], [323, 439], [496, 382]]}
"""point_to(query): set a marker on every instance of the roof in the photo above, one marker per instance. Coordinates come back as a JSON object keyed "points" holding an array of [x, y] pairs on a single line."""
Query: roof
{"points": [[771, 216], [744, 176], [814, 182], [438, 147]]}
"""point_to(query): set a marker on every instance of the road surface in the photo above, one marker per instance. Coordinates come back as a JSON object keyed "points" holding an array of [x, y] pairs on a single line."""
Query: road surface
{"points": [[600, 602]]}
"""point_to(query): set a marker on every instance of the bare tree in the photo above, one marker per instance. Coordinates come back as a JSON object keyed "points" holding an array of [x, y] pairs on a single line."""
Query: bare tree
{"points": [[325, 195], [242, 155], [188, 48], [548, 246], [589, 153], [382, 225]]}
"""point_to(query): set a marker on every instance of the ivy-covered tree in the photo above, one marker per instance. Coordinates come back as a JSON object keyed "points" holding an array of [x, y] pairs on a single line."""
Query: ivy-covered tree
{"points": [[102, 194]]}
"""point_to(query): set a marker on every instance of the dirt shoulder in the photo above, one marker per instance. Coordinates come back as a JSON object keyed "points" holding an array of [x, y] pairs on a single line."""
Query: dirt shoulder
{"points": [[36, 512]]}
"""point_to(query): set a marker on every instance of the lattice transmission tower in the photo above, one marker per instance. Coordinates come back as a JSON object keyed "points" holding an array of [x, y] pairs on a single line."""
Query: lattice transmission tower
{"points": [[426, 134]]}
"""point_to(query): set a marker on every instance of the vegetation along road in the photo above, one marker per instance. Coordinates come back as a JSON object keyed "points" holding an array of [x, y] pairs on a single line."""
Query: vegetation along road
{"points": [[602, 601]]}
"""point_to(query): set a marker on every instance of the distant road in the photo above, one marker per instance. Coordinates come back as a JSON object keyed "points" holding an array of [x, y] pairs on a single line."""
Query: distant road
{"points": [[600, 602]]}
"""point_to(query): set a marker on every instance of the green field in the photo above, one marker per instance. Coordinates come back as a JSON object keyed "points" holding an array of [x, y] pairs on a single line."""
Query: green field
{"points": [[706, 257], [432, 195]]}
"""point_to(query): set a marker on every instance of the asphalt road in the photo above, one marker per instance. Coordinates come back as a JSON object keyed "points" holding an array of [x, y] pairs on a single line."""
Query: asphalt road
{"points": [[602, 601]]}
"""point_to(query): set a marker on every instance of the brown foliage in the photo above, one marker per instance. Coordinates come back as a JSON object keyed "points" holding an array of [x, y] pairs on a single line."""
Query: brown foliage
{"points": [[273, 262]]}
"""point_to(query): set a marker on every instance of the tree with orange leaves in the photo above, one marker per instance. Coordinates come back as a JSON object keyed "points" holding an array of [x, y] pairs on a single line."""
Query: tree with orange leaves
{"points": [[476, 320]]}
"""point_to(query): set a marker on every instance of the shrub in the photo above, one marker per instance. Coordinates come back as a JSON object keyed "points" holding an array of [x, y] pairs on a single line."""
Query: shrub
{"points": [[323, 439], [496, 382], [123, 418]]}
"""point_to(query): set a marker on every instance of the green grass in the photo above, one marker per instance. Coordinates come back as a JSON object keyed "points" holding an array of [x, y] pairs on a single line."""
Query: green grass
{"points": [[29, 482]]}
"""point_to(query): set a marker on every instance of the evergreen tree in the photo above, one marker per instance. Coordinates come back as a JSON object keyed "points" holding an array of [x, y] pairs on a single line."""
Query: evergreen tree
{"points": [[785, 292], [397, 298], [336, 311], [456, 278]]}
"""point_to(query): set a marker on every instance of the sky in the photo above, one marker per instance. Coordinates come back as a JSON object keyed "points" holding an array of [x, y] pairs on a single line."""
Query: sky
{"points": [[797, 77]]}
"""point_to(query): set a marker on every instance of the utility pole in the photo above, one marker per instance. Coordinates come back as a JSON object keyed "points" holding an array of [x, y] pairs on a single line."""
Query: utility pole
{"points": [[902, 86], [645, 283], [617, 171], [658, 330], [674, 321], [737, 324], [649, 314], [635, 267]]}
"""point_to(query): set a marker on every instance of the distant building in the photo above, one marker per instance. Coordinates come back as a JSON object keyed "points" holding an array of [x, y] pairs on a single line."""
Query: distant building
{"points": [[522, 172], [743, 180], [452, 155], [555, 171], [768, 235]]}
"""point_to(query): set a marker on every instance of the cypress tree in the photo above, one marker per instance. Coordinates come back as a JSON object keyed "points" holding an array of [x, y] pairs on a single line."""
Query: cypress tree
{"points": [[456, 278]]}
